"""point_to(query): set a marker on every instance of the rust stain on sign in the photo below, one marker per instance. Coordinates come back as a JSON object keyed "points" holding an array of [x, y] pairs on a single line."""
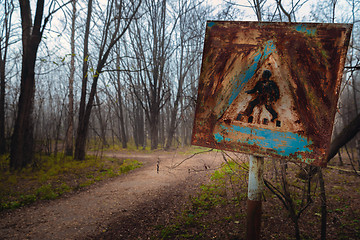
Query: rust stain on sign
{"points": [[270, 89]]}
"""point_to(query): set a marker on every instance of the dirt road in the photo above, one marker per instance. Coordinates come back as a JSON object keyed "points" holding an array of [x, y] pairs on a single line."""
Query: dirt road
{"points": [[89, 213]]}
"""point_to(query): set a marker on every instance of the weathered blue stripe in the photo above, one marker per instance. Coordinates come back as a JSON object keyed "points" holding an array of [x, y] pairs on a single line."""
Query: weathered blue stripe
{"points": [[239, 81], [284, 143]]}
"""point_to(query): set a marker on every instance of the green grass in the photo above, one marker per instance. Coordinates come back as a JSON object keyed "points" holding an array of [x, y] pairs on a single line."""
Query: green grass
{"points": [[219, 210], [50, 177], [193, 222]]}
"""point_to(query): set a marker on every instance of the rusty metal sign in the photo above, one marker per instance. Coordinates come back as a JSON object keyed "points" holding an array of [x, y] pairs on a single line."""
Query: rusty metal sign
{"points": [[270, 89]]}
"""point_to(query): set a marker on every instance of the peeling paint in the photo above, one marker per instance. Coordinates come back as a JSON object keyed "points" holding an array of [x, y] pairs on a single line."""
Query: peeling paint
{"points": [[270, 89], [284, 143], [241, 79], [218, 137], [304, 28], [210, 24]]}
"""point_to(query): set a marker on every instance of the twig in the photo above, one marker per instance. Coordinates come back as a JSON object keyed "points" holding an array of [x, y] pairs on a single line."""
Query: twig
{"points": [[279, 195], [190, 157], [352, 165], [243, 166]]}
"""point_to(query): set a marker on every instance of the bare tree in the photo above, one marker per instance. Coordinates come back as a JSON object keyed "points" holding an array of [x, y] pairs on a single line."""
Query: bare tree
{"points": [[8, 9], [152, 46], [120, 109], [187, 53], [70, 115], [116, 102], [81, 138], [256, 5], [22, 141], [117, 20]]}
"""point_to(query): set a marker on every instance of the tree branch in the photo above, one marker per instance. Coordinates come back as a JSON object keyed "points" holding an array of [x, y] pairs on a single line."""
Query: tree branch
{"points": [[345, 136]]}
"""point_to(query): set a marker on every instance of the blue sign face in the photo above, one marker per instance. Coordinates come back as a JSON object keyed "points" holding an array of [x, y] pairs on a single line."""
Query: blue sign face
{"points": [[270, 89]]}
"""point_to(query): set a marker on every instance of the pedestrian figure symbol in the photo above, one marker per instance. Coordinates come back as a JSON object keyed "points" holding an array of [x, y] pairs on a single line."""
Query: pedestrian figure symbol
{"points": [[265, 93]]}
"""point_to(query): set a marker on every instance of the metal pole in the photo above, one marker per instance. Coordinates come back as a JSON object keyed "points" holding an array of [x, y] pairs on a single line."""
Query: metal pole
{"points": [[255, 189]]}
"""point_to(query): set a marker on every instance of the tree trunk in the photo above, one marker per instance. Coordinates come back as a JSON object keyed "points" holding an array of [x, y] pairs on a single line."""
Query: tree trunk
{"points": [[101, 122], [104, 52], [2, 103], [84, 127], [341, 163], [172, 126], [70, 118], [121, 112], [154, 131], [297, 230], [141, 136], [162, 129], [135, 128], [57, 130], [8, 10], [80, 141], [345, 135], [22, 142], [122, 124], [173, 116], [142, 131]]}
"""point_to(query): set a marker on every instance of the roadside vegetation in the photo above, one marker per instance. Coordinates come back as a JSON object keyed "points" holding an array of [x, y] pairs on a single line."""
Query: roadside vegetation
{"points": [[218, 211], [218, 205], [51, 176]]}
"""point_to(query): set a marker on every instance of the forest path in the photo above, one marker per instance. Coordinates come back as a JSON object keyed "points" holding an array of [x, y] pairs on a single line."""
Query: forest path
{"points": [[89, 212]]}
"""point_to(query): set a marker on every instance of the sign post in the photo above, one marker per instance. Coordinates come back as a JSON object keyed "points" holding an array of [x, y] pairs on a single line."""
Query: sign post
{"points": [[269, 90], [255, 190]]}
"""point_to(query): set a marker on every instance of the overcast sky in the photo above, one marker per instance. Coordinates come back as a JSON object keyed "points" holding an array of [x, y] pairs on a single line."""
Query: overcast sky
{"points": [[304, 14]]}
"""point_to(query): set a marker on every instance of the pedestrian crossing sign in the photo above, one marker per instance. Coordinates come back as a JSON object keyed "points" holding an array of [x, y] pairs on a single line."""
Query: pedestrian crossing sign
{"points": [[270, 89]]}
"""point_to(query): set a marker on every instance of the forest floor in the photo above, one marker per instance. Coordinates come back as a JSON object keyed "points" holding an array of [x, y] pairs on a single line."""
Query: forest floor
{"points": [[193, 200]]}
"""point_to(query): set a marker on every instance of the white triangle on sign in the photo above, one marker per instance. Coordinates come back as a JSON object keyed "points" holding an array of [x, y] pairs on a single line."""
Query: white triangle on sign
{"points": [[288, 118]]}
